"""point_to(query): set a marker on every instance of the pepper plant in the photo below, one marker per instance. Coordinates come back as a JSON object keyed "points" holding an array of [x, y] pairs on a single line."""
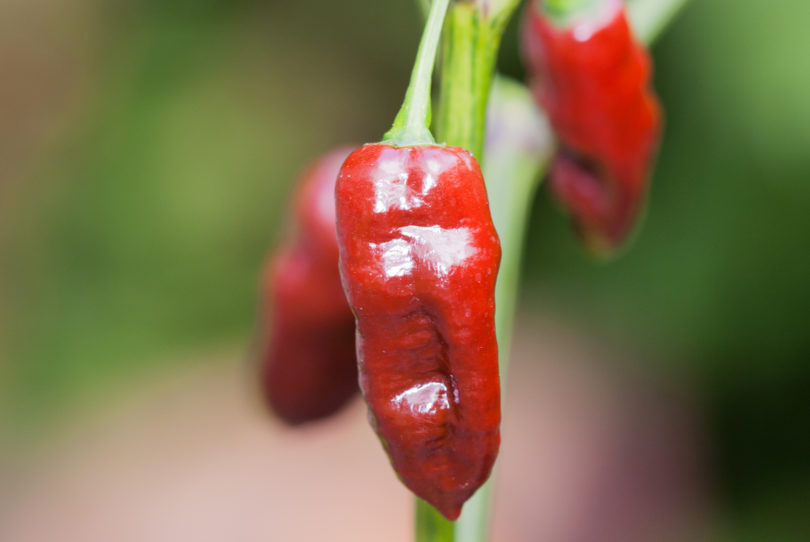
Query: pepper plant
{"points": [[419, 254]]}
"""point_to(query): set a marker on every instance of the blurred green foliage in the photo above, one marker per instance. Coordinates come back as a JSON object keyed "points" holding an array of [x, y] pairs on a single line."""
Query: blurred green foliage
{"points": [[169, 188], [147, 225]]}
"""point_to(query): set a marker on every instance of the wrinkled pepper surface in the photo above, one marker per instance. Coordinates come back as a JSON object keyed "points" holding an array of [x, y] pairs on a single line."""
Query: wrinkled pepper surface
{"points": [[593, 80], [309, 364], [418, 257]]}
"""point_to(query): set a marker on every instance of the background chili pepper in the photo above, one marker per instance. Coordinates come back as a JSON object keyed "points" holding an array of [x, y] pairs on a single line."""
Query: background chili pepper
{"points": [[309, 367], [419, 258], [593, 80]]}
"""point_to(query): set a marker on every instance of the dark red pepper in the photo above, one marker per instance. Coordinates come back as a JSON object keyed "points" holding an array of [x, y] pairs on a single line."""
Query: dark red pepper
{"points": [[419, 257], [593, 80], [309, 366]]}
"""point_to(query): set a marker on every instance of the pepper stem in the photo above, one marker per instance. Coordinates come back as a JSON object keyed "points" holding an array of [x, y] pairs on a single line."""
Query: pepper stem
{"points": [[564, 12], [412, 123], [563, 6]]}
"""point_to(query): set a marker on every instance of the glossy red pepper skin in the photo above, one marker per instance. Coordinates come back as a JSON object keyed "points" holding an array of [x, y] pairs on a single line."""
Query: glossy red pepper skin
{"points": [[419, 257], [309, 364], [593, 80]]}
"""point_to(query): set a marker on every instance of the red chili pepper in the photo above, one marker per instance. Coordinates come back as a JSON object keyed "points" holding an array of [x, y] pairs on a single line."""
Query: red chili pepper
{"points": [[310, 369], [419, 257], [593, 80]]}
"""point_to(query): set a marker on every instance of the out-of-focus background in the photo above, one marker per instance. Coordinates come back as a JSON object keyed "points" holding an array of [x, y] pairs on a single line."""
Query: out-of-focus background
{"points": [[146, 150]]}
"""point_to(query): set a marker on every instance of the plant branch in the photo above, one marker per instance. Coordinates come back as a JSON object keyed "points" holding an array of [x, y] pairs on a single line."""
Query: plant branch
{"points": [[473, 32]]}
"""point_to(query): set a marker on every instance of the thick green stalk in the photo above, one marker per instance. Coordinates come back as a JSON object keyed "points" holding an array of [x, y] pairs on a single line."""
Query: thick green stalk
{"points": [[473, 32]]}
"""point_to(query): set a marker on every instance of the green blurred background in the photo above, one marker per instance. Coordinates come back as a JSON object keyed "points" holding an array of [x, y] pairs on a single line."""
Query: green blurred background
{"points": [[147, 147]]}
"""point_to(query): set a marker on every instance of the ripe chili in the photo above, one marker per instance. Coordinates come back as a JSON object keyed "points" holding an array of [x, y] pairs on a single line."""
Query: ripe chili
{"points": [[593, 80], [419, 257], [309, 365]]}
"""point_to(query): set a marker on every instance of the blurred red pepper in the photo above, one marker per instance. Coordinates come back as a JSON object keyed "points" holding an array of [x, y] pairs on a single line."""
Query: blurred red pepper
{"points": [[309, 364], [419, 256], [593, 80]]}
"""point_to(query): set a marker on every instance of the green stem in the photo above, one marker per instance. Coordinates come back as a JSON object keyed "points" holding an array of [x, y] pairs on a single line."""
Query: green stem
{"points": [[566, 12], [647, 17], [562, 10], [561, 6], [519, 146], [412, 123], [473, 32]]}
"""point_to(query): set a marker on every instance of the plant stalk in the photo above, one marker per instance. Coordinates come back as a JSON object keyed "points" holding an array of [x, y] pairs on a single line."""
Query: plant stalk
{"points": [[473, 32]]}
